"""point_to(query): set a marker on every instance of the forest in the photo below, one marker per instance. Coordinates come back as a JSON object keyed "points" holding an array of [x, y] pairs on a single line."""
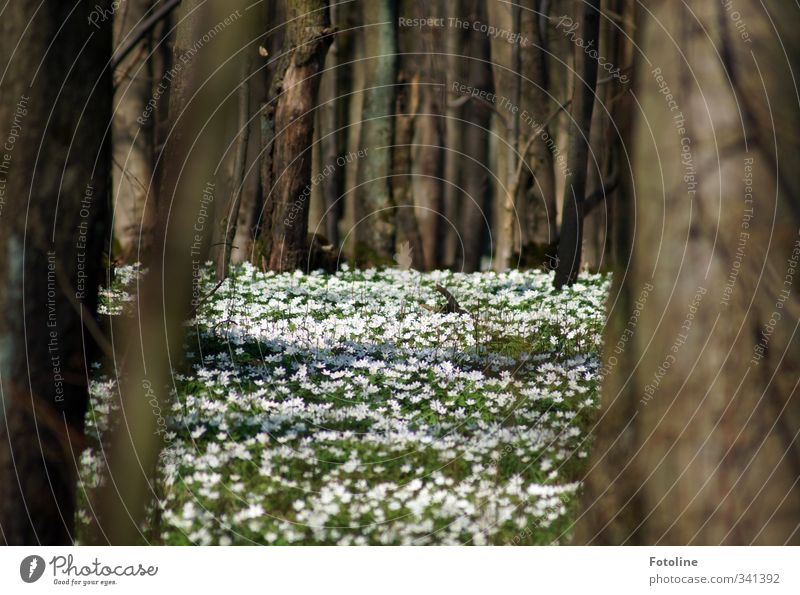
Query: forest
{"points": [[394, 272]]}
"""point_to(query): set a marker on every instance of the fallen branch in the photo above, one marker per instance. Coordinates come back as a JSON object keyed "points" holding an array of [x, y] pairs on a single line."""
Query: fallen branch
{"points": [[451, 307]]}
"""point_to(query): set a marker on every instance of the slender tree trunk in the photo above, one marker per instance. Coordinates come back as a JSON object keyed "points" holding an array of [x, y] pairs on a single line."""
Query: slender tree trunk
{"points": [[251, 212], [252, 197], [606, 156], [456, 60], [239, 172], [536, 196], [697, 442], [467, 169], [331, 134], [506, 68], [133, 137], [54, 195], [290, 122], [429, 136], [375, 215], [583, 96], [407, 106]]}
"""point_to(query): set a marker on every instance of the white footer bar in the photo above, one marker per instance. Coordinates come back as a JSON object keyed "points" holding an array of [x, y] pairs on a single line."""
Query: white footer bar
{"points": [[329, 571]]}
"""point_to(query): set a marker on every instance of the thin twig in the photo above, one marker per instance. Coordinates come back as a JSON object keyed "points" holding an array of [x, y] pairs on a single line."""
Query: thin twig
{"points": [[89, 322], [462, 99], [143, 30]]}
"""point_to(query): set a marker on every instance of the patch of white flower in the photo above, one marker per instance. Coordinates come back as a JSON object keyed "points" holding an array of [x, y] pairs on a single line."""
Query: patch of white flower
{"points": [[335, 409]]}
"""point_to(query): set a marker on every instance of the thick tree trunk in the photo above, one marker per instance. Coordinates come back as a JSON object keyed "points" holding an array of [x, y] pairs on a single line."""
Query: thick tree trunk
{"points": [[583, 97], [195, 148], [54, 194], [375, 216], [697, 440], [290, 123]]}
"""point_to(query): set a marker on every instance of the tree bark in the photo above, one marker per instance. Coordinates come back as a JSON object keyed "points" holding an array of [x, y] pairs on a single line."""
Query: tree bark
{"points": [[697, 439], [536, 196], [375, 216], [54, 194], [467, 169], [407, 105], [429, 137], [133, 137], [506, 69], [194, 149], [290, 132], [583, 96], [332, 131], [231, 220]]}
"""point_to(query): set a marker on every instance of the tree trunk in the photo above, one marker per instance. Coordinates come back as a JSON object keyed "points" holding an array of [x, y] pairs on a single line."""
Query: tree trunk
{"points": [[407, 96], [195, 148], [536, 196], [697, 443], [331, 132], [467, 137], [607, 154], [132, 137], [429, 137], [583, 96], [54, 194], [375, 215], [506, 68], [231, 220], [290, 123]]}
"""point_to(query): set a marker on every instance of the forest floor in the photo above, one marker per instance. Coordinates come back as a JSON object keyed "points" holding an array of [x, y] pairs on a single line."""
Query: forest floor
{"points": [[336, 409]]}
